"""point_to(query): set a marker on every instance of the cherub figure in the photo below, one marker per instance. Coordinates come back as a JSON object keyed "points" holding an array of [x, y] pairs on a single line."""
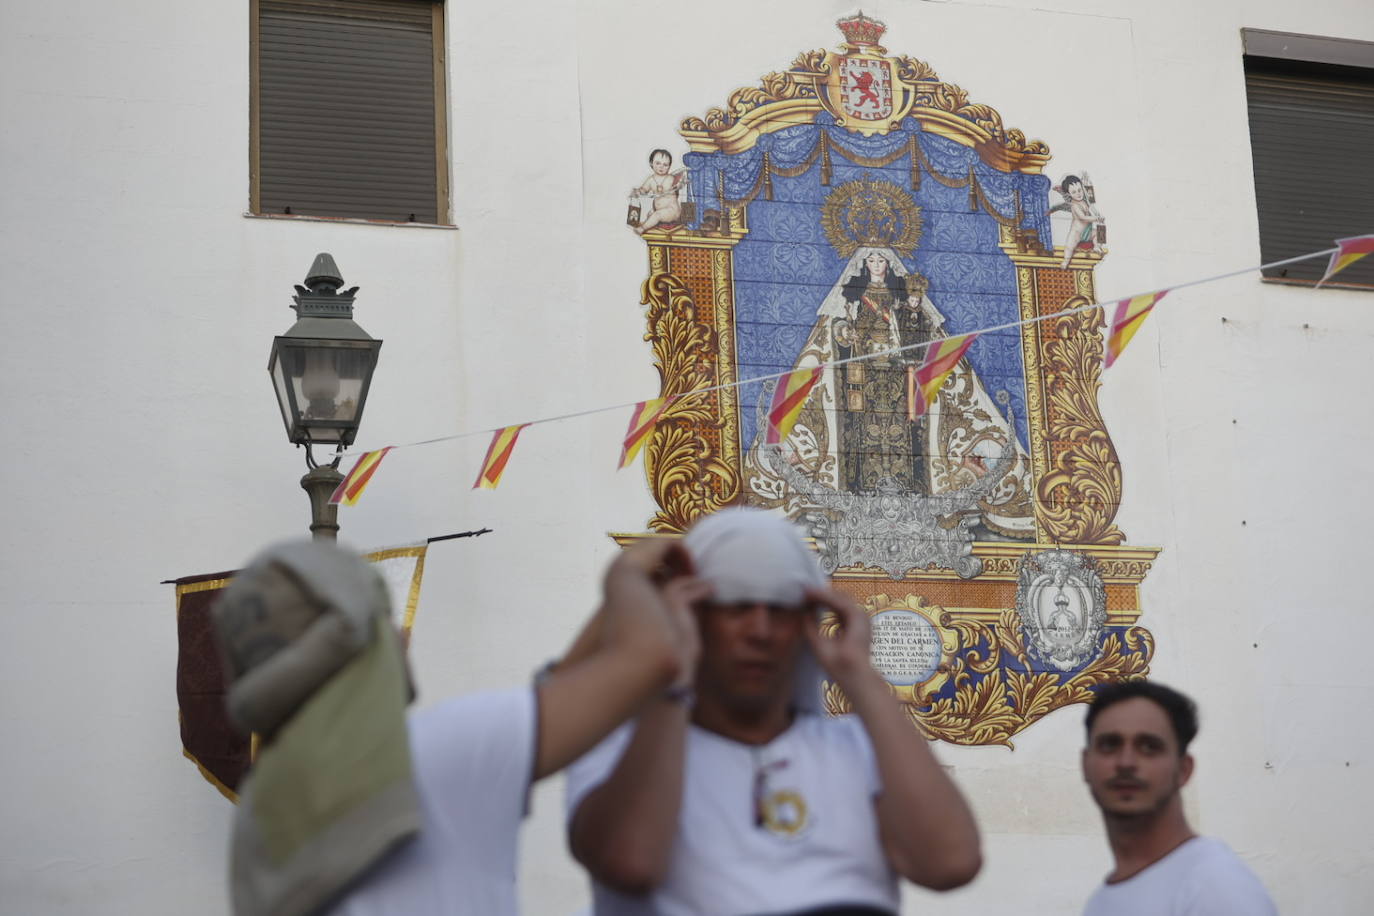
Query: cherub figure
{"points": [[663, 187], [1086, 227]]}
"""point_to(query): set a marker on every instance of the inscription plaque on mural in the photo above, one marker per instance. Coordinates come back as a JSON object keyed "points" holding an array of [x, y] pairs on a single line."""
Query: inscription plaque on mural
{"points": [[841, 218], [906, 647]]}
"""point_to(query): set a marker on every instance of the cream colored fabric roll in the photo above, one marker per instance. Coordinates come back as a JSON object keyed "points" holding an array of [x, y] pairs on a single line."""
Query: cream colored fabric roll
{"points": [[751, 555]]}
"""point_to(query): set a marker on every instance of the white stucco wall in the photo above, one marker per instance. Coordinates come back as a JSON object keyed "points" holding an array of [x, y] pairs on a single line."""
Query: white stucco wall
{"points": [[143, 443]]}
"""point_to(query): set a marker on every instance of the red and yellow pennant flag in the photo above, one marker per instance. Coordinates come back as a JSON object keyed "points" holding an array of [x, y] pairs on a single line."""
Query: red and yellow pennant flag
{"points": [[642, 422], [923, 382], [1348, 251], [1130, 314], [789, 397], [358, 478], [498, 453]]}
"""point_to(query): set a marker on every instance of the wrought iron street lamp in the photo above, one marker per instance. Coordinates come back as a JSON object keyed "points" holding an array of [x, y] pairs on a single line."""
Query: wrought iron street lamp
{"points": [[322, 370]]}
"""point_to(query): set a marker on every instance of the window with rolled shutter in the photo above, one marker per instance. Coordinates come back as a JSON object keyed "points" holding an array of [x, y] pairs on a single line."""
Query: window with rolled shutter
{"points": [[348, 109], [1311, 103]]}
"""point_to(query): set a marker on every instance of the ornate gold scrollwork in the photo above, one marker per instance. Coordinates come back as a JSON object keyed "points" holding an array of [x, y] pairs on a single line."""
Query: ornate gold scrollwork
{"points": [[817, 61], [807, 87], [914, 70], [941, 96], [993, 700], [776, 87], [1000, 566], [1132, 570], [686, 472], [1078, 497]]}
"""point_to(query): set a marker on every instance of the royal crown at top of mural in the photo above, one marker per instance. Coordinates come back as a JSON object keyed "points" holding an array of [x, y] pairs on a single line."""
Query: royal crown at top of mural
{"points": [[862, 31]]}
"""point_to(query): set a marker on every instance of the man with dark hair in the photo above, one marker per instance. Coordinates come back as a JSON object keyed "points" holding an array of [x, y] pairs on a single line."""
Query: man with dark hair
{"points": [[1135, 764], [1182, 711]]}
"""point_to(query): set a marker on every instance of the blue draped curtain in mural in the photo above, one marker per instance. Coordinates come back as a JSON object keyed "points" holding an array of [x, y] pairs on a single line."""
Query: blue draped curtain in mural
{"points": [[786, 265]]}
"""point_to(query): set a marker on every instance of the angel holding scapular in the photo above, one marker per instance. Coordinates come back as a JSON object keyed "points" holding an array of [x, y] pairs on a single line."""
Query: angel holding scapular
{"points": [[1087, 228]]}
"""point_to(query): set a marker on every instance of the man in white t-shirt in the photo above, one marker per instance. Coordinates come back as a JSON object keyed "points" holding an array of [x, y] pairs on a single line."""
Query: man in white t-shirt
{"points": [[354, 809], [749, 800], [1135, 764]]}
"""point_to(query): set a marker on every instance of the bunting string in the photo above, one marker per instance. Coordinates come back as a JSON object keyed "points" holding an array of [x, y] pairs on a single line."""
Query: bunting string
{"points": [[1131, 311]]}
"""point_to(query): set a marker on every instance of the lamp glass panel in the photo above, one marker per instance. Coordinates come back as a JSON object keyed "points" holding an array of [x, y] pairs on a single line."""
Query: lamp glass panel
{"points": [[280, 359], [327, 380]]}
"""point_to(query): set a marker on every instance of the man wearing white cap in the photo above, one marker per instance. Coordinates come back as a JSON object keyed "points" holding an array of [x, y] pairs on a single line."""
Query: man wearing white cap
{"points": [[354, 808], [746, 799]]}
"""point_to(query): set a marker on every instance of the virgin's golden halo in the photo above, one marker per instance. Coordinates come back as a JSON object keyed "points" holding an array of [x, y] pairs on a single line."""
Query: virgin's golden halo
{"points": [[869, 212]]}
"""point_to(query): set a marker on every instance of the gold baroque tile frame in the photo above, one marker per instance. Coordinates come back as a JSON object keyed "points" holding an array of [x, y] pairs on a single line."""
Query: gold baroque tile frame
{"points": [[988, 684]]}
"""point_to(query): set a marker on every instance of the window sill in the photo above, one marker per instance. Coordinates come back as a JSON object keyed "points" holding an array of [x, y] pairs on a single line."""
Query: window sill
{"points": [[348, 220], [1311, 284]]}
